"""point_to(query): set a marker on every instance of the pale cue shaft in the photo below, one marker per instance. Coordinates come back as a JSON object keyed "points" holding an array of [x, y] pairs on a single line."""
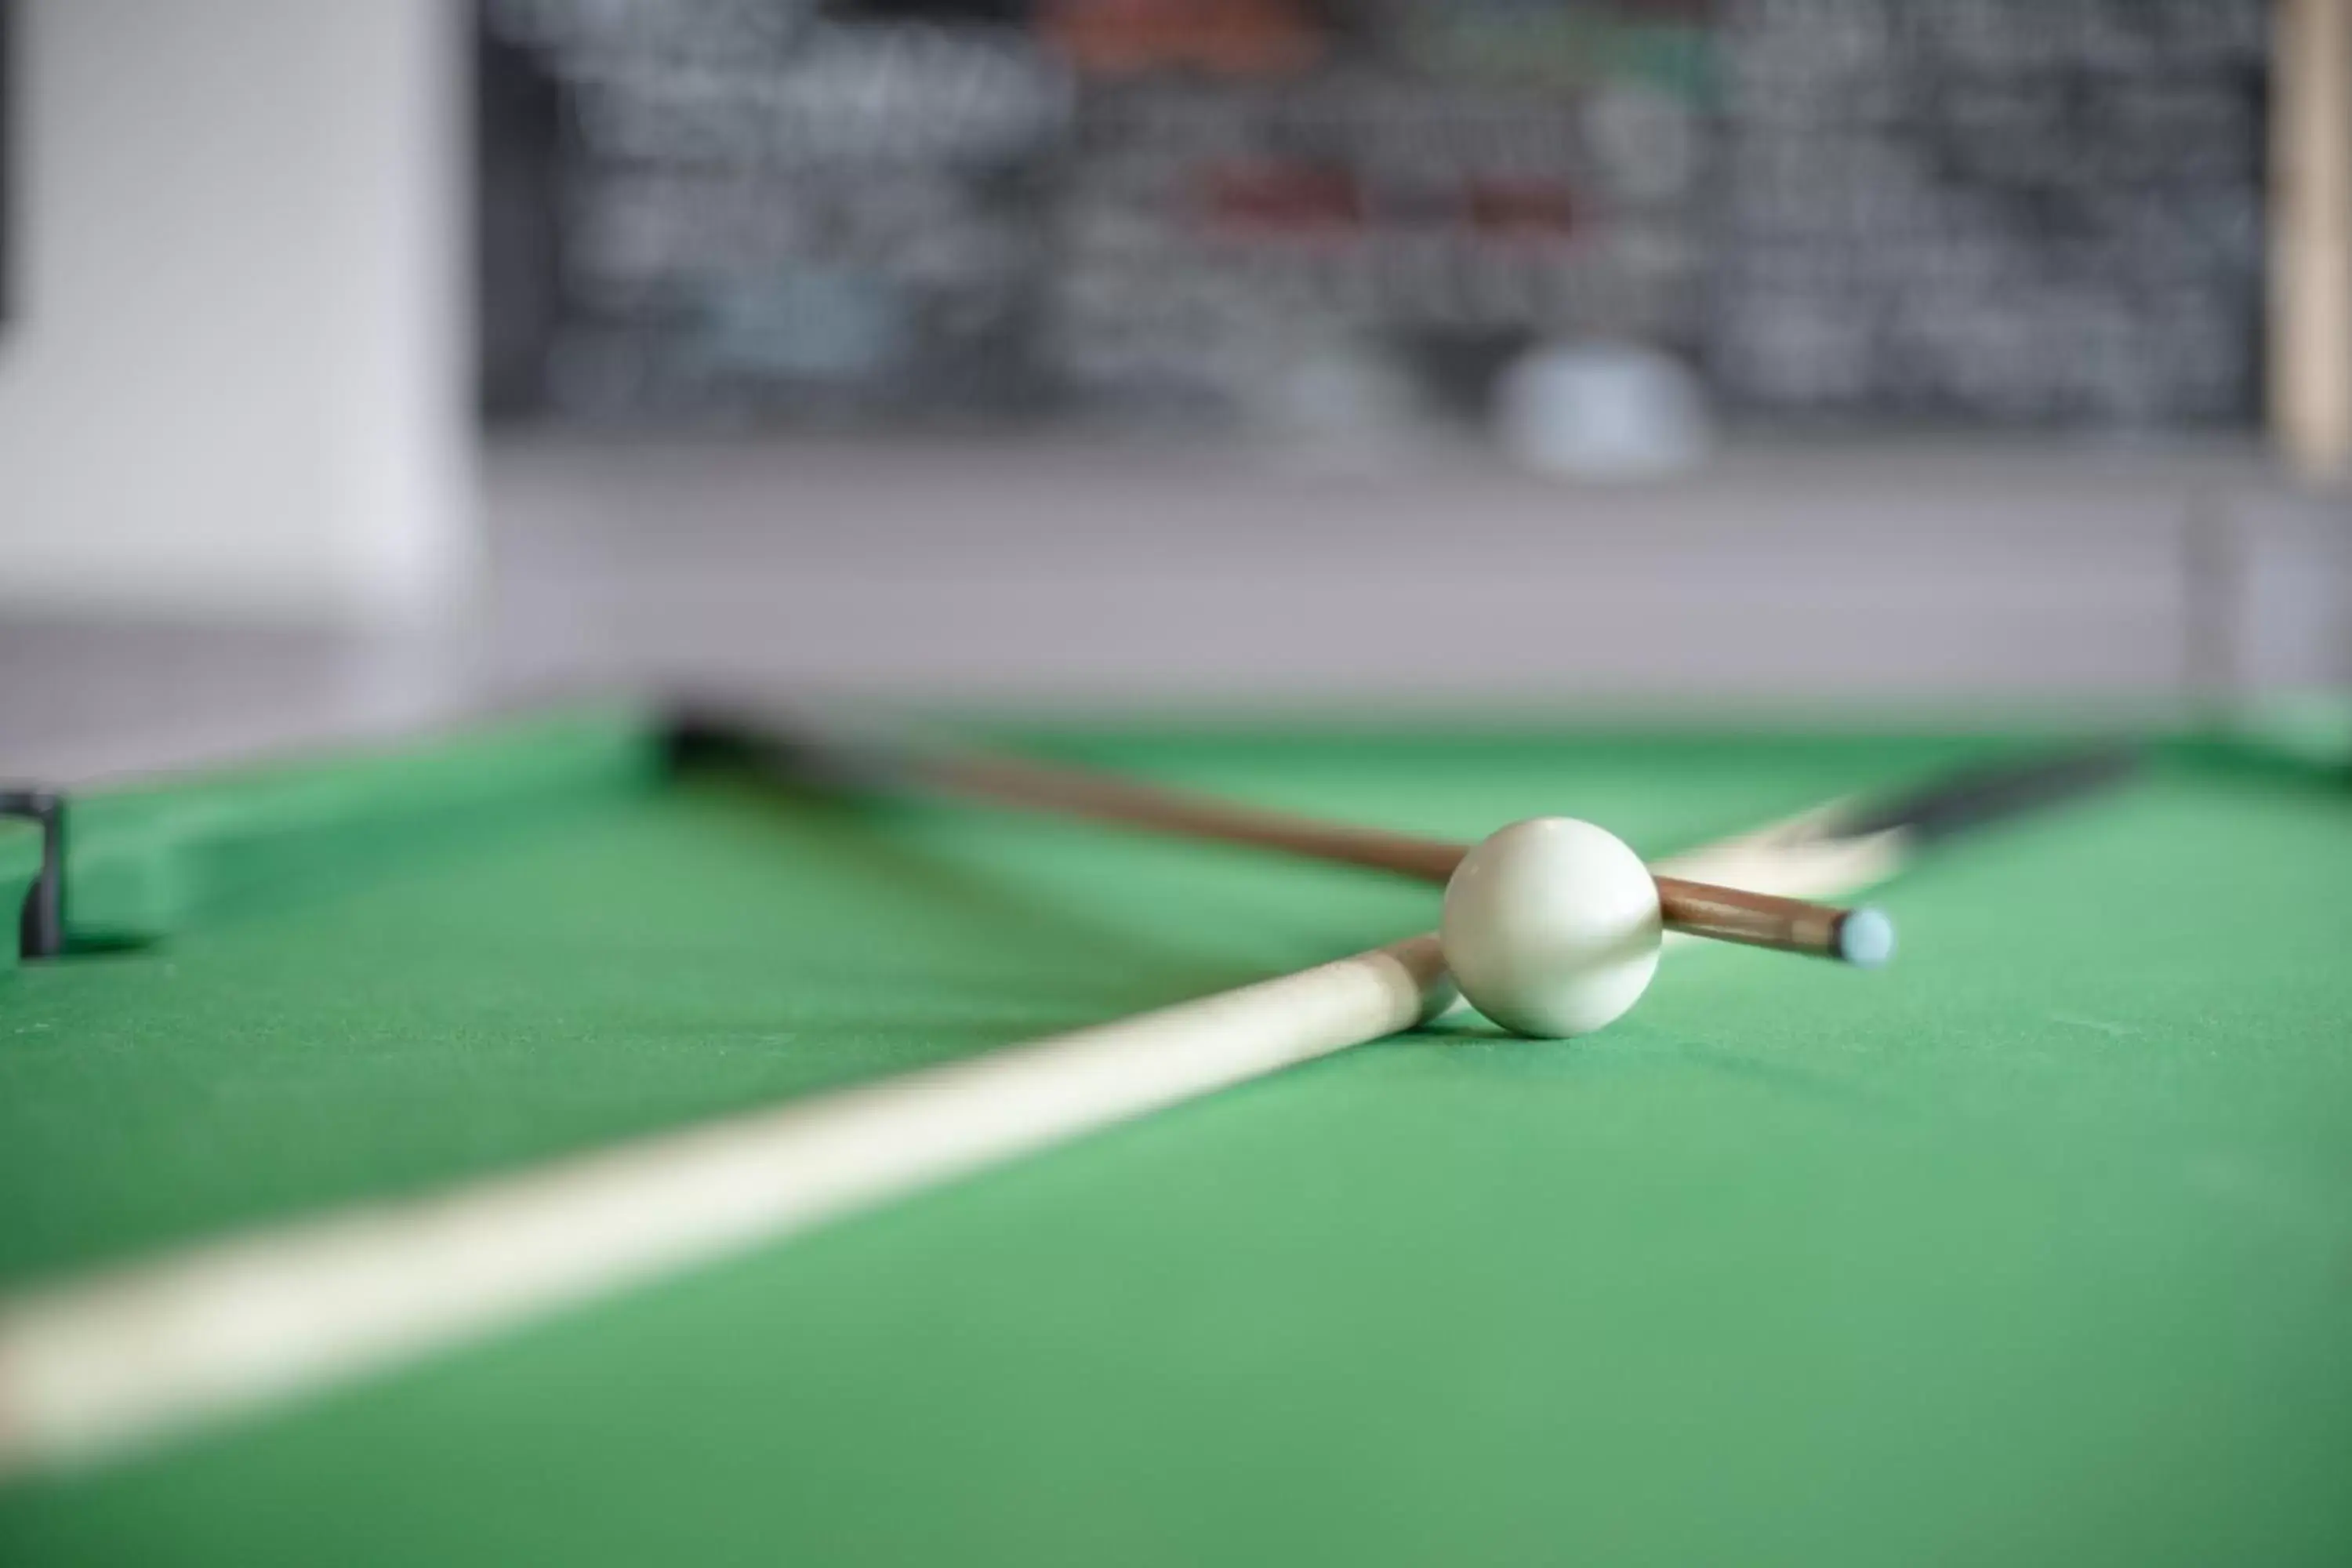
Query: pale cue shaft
{"points": [[102, 1365], [1723, 913], [94, 1368]]}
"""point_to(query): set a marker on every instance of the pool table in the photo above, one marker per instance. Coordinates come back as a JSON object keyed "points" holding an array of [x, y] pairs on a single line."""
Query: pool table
{"points": [[2035, 1248]]}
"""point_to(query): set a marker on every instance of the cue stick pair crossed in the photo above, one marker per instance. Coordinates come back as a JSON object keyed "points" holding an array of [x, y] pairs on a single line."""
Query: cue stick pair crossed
{"points": [[123, 1358]]}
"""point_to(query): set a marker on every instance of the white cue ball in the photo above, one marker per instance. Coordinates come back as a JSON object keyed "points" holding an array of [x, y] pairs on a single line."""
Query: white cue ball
{"points": [[1551, 927]]}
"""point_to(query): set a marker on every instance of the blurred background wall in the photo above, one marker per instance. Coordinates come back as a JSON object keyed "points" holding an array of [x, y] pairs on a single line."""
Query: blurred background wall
{"points": [[1975, 214], [1783, 352], [234, 363]]}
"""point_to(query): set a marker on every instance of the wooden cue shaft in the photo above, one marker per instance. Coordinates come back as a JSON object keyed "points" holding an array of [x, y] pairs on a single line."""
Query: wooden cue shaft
{"points": [[1696, 908]]}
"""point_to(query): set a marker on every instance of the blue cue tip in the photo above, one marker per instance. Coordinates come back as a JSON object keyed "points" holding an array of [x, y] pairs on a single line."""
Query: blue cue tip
{"points": [[1865, 938]]}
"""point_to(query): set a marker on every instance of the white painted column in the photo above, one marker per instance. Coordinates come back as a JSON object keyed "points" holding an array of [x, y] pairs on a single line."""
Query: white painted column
{"points": [[236, 380], [2311, 234]]}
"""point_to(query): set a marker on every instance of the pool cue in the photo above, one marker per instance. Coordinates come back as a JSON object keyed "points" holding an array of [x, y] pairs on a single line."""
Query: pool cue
{"points": [[108, 1364], [810, 757], [103, 1366], [120, 1359]]}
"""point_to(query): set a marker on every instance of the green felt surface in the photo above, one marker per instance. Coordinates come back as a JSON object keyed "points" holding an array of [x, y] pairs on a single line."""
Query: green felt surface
{"points": [[149, 859], [2035, 1248]]}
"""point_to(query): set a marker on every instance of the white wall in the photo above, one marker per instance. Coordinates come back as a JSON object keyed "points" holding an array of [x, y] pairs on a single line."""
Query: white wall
{"points": [[234, 383]]}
